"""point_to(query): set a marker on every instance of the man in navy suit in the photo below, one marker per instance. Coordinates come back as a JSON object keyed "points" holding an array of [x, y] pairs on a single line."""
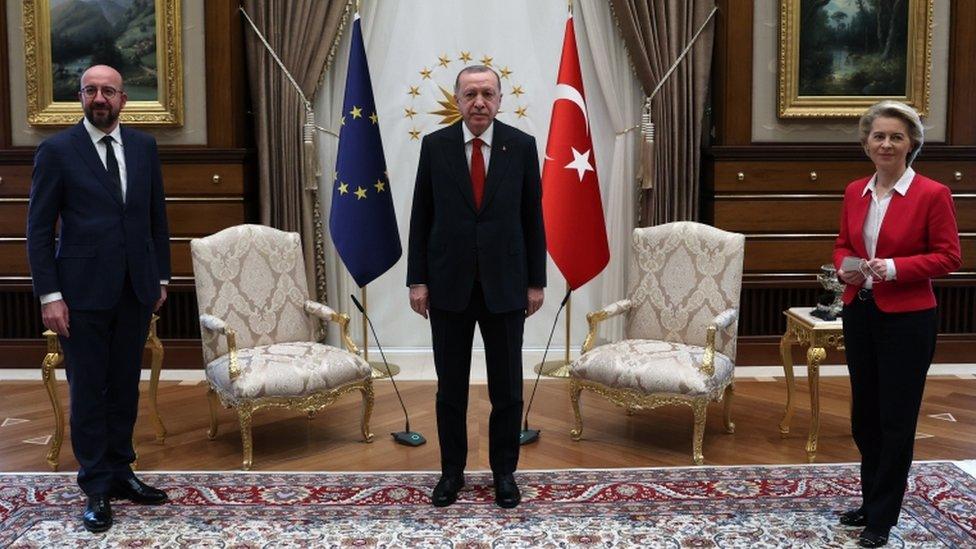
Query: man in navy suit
{"points": [[477, 256], [100, 280]]}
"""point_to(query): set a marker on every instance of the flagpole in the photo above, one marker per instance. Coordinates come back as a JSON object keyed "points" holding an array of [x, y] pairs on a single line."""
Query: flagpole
{"points": [[559, 368], [379, 368]]}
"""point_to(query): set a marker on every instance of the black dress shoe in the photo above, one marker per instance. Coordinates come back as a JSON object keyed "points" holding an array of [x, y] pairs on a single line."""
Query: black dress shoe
{"points": [[854, 517], [870, 538], [507, 493], [446, 491], [98, 514], [137, 491]]}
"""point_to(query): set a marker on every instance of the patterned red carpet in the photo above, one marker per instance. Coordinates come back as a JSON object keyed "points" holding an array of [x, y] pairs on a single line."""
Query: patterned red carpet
{"points": [[752, 507]]}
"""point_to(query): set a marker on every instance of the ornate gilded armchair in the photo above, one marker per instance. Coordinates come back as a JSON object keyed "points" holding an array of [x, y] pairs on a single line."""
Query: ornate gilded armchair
{"points": [[680, 328], [260, 332]]}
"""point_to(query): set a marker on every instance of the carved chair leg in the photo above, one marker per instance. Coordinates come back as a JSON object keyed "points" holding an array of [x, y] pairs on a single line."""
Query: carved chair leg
{"points": [[212, 399], [574, 397], [729, 393], [701, 408], [245, 418], [367, 391], [51, 362]]}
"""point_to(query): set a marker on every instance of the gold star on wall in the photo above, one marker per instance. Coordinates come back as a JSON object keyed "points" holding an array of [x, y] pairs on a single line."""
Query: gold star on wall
{"points": [[356, 112], [444, 60], [374, 118], [517, 91], [414, 91], [486, 60], [465, 57], [380, 186], [425, 74], [414, 134], [360, 193], [504, 72], [343, 188], [521, 111], [409, 113]]}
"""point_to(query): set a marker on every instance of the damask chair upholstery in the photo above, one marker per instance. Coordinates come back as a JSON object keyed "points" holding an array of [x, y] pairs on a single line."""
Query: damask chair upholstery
{"points": [[261, 333], [681, 321]]}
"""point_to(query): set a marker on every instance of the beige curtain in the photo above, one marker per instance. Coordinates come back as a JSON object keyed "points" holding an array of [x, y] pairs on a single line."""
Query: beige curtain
{"points": [[304, 34], [655, 32]]}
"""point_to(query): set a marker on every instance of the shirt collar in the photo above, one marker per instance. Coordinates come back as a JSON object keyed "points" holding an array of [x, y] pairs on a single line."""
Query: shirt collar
{"points": [[901, 186], [485, 135], [96, 134]]}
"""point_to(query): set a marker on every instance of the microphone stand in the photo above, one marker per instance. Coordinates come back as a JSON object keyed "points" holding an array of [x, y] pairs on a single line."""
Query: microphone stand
{"points": [[406, 436], [528, 436]]}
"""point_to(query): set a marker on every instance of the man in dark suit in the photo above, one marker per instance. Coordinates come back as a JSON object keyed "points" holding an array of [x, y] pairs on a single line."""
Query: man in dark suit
{"points": [[101, 281], [477, 255]]}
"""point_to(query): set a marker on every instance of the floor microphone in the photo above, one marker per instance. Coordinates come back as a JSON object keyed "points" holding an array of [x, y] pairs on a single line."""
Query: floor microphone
{"points": [[528, 436], [406, 436]]}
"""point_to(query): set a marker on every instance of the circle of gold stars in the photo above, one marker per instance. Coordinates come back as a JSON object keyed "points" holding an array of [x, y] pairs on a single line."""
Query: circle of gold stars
{"points": [[448, 111]]}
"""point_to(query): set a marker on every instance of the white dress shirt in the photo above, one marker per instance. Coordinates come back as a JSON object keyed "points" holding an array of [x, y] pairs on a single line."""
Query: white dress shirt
{"points": [[485, 148], [876, 214]]}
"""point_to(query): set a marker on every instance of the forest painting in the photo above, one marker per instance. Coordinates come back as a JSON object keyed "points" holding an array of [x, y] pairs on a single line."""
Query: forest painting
{"points": [[853, 47], [120, 33], [839, 56]]}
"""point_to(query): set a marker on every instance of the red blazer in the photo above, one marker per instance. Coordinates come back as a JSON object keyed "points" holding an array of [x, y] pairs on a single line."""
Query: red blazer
{"points": [[919, 232]]}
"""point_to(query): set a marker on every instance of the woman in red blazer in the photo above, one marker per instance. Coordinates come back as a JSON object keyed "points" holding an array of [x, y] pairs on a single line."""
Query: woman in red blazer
{"points": [[897, 232]]}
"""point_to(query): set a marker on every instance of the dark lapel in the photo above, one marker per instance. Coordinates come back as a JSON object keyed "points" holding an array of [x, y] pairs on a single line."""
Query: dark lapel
{"points": [[86, 149], [133, 187], [458, 163], [498, 164]]}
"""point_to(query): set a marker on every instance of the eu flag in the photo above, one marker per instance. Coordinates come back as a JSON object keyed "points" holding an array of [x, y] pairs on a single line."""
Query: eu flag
{"points": [[362, 221]]}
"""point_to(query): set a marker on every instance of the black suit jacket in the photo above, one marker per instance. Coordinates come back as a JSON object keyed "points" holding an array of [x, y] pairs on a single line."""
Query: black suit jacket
{"points": [[100, 238], [503, 242]]}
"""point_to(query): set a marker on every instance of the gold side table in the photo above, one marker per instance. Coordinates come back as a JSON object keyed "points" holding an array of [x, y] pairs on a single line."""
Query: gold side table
{"points": [[55, 357], [816, 335]]}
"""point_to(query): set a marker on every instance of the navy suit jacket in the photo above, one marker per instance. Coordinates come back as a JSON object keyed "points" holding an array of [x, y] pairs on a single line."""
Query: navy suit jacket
{"points": [[100, 238], [451, 241]]}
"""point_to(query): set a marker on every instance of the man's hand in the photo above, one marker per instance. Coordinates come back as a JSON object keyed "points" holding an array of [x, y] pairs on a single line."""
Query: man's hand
{"points": [[55, 317], [536, 295], [162, 298], [419, 299], [854, 278]]}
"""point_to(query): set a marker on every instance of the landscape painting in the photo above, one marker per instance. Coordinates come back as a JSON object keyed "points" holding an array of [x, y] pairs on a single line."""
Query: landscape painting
{"points": [[120, 33], [840, 56], [140, 38]]}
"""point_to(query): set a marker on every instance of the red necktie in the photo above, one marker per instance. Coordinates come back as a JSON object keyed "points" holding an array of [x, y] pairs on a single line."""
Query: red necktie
{"points": [[477, 171]]}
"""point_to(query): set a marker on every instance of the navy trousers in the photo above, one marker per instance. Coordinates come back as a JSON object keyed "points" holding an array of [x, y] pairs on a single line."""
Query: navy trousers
{"points": [[103, 358], [453, 334]]}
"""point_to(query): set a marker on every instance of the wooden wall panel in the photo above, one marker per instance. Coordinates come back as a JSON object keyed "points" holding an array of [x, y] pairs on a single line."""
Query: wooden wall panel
{"points": [[202, 218], [13, 259], [962, 73], [732, 73], [825, 176]]}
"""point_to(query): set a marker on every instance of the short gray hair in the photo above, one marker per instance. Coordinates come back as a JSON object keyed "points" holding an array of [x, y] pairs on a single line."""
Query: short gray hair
{"points": [[900, 111], [475, 68]]}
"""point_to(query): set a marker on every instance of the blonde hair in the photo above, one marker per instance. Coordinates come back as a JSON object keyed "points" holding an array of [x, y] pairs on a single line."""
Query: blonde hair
{"points": [[900, 111]]}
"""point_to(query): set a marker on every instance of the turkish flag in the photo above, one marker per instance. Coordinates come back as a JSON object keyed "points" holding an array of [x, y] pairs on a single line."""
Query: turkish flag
{"points": [[576, 234]]}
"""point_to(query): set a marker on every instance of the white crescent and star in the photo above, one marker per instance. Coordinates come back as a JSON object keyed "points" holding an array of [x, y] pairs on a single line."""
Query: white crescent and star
{"points": [[581, 160]]}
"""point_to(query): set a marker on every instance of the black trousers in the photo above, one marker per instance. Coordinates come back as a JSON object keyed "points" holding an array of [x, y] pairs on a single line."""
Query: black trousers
{"points": [[103, 360], [453, 334], [888, 357]]}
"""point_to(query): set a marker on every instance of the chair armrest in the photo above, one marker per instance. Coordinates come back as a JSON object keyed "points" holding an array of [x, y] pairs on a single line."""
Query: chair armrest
{"points": [[325, 312], [721, 322], [596, 317], [214, 324]]}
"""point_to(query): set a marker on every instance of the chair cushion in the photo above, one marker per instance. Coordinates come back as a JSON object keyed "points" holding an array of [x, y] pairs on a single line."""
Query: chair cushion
{"points": [[652, 366], [286, 370]]}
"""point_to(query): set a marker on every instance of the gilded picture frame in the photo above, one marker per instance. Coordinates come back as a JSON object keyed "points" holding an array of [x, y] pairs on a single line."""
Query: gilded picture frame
{"points": [[838, 57], [147, 48]]}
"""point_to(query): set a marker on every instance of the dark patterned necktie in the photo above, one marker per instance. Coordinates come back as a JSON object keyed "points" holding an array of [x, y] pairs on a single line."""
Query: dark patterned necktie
{"points": [[112, 165]]}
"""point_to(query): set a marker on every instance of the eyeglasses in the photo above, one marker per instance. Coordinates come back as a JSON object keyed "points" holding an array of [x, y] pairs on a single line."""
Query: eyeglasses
{"points": [[108, 92]]}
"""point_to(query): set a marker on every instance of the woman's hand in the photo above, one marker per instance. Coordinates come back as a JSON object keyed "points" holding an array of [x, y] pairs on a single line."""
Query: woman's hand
{"points": [[878, 269], [854, 278]]}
